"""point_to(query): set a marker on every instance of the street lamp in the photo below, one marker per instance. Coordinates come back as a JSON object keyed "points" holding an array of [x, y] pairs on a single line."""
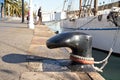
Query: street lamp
{"points": [[31, 23], [22, 11]]}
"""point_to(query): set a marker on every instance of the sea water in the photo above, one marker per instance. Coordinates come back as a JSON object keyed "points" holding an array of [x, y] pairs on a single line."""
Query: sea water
{"points": [[111, 71]]}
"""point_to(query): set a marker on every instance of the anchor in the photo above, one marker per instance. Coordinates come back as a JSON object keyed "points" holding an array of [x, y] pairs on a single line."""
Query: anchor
{"points": [[81, 46]]}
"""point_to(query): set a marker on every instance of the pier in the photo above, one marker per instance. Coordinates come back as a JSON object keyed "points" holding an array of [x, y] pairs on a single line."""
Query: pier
{"points": [[51, 64]]}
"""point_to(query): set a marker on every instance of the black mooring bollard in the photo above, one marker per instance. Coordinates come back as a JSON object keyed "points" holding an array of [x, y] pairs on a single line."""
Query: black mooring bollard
{"points": [[81, 46]]}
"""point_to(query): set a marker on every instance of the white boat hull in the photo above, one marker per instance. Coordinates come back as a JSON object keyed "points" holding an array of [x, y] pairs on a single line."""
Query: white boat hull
{"points": [[103, 32]]}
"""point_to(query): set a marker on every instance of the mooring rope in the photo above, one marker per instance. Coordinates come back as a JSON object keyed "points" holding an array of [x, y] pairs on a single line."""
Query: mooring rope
{"points": [[81, 57], [105, 61]]}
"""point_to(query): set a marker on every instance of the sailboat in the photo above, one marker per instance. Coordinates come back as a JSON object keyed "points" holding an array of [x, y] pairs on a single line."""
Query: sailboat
{"points": [[104, 28]]}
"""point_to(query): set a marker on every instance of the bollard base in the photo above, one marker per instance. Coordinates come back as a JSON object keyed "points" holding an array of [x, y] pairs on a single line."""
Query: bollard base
{"points": [[74, 66]]}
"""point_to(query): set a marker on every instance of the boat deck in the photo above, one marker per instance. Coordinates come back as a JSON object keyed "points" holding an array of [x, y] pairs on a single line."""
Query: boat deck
{"points": [[51, 64]]}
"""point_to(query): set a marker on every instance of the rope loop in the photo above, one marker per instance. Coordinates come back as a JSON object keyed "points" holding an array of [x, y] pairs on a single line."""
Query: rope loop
{"points": [[80, 59]]}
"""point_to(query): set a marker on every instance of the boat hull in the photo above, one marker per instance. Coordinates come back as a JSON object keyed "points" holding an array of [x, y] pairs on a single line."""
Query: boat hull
{"points": [[105, 34]]}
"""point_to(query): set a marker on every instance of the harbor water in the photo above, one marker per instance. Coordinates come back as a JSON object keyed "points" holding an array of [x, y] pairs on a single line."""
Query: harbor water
{"points": [[111, 71]]}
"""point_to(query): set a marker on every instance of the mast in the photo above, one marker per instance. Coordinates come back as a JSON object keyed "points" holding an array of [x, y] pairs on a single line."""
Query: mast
{"points": [[95, 7], [80, 7], [63, 5]]}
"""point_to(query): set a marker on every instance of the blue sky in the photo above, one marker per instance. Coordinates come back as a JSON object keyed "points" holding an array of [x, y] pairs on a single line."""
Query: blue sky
{"points": [[47, 5], [57, 5], [1, 1]]}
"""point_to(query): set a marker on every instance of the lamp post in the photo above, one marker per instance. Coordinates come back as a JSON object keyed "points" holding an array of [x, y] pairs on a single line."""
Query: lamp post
{"points": [[22, 11], [31, 25]]}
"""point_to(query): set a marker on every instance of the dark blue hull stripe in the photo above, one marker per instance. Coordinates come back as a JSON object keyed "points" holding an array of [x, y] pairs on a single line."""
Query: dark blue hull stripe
{"points": [[93, 28], [100, 29]]}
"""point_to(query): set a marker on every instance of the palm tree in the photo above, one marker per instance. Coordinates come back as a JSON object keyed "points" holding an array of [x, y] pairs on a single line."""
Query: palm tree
{"points": [[14, 7]]}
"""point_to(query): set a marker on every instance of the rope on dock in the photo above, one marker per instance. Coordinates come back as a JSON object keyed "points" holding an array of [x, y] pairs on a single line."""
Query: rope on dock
{"points": [[81, 59]]}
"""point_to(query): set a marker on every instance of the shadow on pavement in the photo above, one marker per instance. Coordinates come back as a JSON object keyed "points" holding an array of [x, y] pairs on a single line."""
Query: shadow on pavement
{"points": [[48, 64], [7, 71], [21, 58]]}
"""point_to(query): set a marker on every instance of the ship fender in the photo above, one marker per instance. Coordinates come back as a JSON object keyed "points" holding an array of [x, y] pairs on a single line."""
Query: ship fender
{"points": [[100, 17]]}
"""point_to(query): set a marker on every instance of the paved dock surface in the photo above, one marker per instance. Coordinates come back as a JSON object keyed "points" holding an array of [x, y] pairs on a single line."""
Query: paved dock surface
{"points": [[24, 55], [39, 52], [60, 76], [15, 39]]}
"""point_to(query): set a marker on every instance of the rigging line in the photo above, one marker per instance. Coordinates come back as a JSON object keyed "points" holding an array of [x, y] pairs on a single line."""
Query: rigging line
{"points": [[83, 24], [84, 4], [88, 22], [90, 3], [69, 5], [64, 5]]}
